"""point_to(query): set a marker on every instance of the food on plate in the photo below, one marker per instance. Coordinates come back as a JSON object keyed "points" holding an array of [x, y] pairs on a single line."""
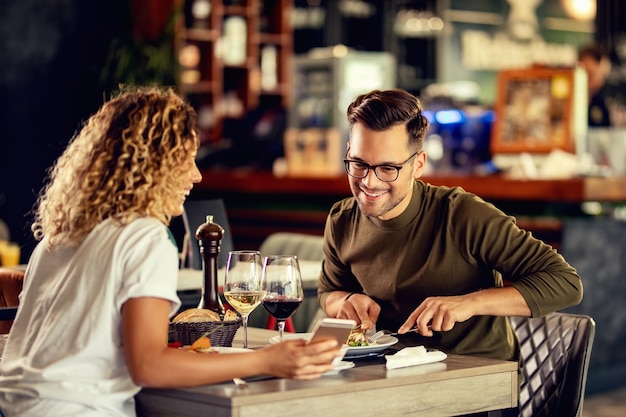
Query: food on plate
{"points": [[357, 338]]}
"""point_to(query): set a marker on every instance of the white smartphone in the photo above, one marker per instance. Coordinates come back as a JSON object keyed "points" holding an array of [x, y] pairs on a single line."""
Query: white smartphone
{"points": [[338, 328]]}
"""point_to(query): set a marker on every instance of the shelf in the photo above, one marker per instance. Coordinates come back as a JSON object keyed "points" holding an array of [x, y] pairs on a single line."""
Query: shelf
{"points": [[235, 81], [203, 35], [236, 10], [205, 87], [278, 91], [271, 38]]}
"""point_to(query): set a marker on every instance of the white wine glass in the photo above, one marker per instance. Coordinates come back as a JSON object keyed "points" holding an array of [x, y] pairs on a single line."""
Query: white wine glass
{"points": [[282, 287], [242, 285]]}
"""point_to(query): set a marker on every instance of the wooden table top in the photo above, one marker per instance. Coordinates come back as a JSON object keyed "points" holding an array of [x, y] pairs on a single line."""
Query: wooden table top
{"points": [[457, 385]]}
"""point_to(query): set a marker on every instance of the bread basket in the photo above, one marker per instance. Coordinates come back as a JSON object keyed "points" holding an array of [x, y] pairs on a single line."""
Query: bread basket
{"points": [[221, 333]]}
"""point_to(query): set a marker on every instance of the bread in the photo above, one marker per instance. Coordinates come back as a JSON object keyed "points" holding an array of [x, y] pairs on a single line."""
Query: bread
{"points": [[230, 315], [195, 315]]}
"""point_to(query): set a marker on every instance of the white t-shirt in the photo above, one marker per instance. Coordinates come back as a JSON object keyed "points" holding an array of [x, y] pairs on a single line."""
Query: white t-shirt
{"points": [[64, 353]]}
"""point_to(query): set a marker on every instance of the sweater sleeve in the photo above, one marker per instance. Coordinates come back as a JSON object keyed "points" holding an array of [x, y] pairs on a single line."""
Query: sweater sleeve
{"points": [[543, 277], [335, 275]]}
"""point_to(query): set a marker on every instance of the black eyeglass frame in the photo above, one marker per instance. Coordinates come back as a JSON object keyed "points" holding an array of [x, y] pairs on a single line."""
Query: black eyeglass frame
{"points": [[397, 167]]}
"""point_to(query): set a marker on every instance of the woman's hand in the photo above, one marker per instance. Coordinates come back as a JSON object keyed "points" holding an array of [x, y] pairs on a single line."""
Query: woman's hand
{"points": [[298, 359]]}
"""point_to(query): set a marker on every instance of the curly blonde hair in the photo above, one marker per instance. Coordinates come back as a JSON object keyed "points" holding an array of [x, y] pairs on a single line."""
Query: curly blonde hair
{"points": [[126, 162]]}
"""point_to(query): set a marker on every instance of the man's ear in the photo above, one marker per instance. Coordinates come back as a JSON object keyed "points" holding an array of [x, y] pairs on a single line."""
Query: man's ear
{"points": [[420, 164]]}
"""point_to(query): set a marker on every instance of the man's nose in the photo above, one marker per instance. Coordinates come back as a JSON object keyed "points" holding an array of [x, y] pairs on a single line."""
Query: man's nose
{"points": [[370, 178]]}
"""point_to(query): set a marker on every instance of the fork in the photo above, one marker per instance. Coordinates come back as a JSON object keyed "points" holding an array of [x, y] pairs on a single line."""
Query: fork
{"points": [[382, 333]]}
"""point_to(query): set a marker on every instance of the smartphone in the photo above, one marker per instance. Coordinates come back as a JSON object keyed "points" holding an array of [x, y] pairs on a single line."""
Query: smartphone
{"points": [[338, 328]]}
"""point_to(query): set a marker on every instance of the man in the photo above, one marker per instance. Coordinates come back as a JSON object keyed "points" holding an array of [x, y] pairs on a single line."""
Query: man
{"points": [[597, 64], [402, 254]]}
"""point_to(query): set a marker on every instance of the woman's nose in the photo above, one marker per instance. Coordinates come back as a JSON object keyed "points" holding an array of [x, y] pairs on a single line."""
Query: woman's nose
{"points": [[196, 176]]}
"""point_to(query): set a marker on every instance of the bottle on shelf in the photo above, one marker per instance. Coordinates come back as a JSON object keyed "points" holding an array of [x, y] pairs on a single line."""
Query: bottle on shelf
{"points": [[200, 11], [269, 63], [234, 40]]}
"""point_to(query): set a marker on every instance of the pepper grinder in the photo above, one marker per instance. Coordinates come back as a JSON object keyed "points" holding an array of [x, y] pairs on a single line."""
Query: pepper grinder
{"points": [[210, 236]]}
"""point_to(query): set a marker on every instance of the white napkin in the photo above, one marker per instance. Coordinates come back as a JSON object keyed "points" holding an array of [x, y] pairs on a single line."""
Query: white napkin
{"points": [[411, 356]]}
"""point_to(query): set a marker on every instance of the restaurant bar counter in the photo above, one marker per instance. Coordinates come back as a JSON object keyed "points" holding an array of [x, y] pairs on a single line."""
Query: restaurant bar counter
{"points": [[458, 385], [259, 203]]}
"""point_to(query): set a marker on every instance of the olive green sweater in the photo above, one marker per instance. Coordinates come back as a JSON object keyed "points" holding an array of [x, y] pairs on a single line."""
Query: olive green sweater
{"points": [[447, 242]]}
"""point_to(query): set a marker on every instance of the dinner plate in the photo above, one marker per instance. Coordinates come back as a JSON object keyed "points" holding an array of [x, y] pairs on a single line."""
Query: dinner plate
{"points": [[373, 348], [352, 352], [340, 367], [290, 336], [224, 349]]}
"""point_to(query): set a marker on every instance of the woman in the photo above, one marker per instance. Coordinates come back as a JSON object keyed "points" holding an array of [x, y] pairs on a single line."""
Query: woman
{"points": [[100, 286]]}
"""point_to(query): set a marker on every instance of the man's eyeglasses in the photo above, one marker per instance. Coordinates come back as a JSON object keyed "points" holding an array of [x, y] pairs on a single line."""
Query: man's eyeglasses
{"points": [[384, 172]]}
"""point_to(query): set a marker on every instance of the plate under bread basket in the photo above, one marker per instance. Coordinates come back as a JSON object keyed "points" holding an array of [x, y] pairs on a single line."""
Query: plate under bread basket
{"points": [[222, 332]]}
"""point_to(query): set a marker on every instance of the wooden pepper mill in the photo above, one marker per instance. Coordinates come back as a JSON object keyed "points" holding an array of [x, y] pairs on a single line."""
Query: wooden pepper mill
{"points": [[210, 236]]}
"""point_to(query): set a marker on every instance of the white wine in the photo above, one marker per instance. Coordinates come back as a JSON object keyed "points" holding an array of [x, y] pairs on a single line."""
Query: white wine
{"points": [[244, 301]]}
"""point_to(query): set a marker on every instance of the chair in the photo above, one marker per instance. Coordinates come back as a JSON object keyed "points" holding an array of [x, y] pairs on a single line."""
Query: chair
{"points": [[7, 314], [194, 215], [555, 352], [305, 247], [11, 281]]}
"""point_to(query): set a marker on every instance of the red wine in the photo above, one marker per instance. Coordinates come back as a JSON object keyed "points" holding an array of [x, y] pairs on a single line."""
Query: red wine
{"points": [[281, 308]]}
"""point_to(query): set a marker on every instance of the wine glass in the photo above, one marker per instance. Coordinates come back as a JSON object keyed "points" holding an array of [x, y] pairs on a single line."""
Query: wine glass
{"points": [[282, 286], [242, 285]]}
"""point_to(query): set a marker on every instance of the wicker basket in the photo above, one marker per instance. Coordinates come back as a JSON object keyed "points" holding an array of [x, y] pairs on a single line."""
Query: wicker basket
{"points": [[222, 332]]}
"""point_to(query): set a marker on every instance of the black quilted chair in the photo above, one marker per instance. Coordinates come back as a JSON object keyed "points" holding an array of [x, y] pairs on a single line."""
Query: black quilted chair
{"points": [[555, 354]]}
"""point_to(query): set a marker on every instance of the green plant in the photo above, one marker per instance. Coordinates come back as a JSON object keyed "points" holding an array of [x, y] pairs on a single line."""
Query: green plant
{"points": [[135, 60]]}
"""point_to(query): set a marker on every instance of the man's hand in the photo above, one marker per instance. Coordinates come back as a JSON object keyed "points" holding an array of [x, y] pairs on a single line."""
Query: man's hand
{"points": [[360, 308], [442, 313], [439, 314]]}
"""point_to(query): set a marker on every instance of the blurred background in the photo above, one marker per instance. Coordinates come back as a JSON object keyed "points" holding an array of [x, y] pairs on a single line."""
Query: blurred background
{"points": [[271, 80], [62, 58]]}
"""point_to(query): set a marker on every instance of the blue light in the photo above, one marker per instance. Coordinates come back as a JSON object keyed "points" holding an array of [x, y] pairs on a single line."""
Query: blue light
{"points": [[447, 117], [490, 116]]}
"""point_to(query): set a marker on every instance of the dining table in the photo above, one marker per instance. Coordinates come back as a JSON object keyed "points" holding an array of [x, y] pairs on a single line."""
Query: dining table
{"points": [[457, 385]]}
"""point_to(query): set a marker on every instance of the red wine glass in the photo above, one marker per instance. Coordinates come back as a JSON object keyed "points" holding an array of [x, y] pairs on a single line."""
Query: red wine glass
{"points": [[282, 284]]}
